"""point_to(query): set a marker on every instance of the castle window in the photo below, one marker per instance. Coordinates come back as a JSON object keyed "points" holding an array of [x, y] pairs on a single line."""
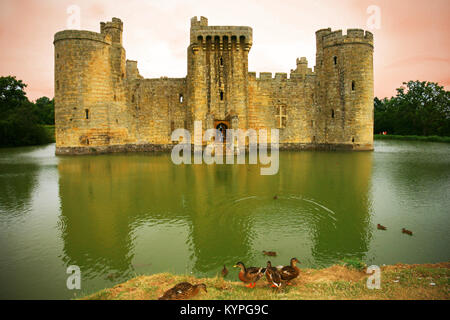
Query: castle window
{"points": [[57, 84], [181, 98], [335, 60], [172, 126], [132, 98], [221, 61], [353, 140], [353, 85], [282, 117], [221, 95], [332, 113], [200, 39], [86, 114]]}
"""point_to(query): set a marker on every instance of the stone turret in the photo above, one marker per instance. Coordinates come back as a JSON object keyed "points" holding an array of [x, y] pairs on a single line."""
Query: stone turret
{"points": [[113, 28], [345, 87]]}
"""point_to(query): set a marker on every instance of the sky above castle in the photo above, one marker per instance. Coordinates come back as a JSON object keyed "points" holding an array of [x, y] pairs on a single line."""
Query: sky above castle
{"points": [[411, 36]]}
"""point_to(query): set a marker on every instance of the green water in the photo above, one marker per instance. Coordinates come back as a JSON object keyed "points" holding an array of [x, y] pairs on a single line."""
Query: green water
{"points": [[125, 215]]}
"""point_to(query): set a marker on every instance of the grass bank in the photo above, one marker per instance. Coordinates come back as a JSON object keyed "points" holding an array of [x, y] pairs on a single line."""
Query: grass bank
{"points": [[412, 138], [400, 281]]}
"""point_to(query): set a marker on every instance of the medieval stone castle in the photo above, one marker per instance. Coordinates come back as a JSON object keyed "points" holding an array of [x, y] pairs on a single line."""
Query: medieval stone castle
{"points": [[103, 104]]}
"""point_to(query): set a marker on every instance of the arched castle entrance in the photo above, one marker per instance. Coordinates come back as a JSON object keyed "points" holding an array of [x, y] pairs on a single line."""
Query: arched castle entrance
{"points": [[222, 126]]}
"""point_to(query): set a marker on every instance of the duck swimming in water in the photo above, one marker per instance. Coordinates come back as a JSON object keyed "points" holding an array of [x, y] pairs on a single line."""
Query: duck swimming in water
{"points": [[406, 231]]}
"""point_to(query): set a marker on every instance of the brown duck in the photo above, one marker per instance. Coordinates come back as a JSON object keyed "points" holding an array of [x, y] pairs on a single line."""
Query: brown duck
{"points": [[249, 275], [183, 291], [380, 227], [224, 271], [270, 253], [273, 275], [290, 272], [407, 231]]}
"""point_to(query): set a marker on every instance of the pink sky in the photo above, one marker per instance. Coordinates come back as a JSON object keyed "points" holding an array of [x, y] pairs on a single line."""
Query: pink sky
{"points": [[413, 41]]}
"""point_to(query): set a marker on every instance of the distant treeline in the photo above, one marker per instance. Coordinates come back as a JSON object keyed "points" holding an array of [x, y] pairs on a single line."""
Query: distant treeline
{"points": [[23, 122], [420, 108]]}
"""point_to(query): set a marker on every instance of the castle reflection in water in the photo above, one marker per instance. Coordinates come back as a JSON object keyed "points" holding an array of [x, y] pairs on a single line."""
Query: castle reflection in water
{"points": [[217, 213]]}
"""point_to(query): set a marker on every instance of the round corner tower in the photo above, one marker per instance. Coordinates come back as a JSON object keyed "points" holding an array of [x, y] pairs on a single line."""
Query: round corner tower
{"points": [[89, 69], [345, 87]]}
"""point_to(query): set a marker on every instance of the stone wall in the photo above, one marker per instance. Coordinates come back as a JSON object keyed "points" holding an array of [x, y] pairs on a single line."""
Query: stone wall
{"points": [[157, 106], [292, 100]]}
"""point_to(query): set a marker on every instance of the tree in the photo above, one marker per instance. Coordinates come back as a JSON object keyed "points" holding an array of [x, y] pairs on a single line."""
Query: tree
{"points": [[12, 94], [19, 123], [45, 111], [419, 108]]}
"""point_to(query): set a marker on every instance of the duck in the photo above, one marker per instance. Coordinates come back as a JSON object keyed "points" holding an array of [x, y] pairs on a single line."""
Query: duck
{"points": [[290, 272], [224, 271], [183, 291], [273, 275], [407, 231], [275, 197], [270, 253], [249, 275], [380, 227]]}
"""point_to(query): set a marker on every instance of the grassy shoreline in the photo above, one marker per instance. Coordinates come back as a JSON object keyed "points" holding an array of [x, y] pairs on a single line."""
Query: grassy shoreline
{"points": [[400, 281], [412, 138]]}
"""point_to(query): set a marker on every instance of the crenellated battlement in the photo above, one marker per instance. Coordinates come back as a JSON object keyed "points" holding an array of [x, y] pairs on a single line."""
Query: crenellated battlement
{"points": [[354, 36], [202, 22], [115, 23], [202, 34], [278, 76]]}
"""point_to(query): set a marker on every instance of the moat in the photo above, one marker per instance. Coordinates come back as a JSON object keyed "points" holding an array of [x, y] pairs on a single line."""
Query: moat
{"points": [[121, 215]]}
